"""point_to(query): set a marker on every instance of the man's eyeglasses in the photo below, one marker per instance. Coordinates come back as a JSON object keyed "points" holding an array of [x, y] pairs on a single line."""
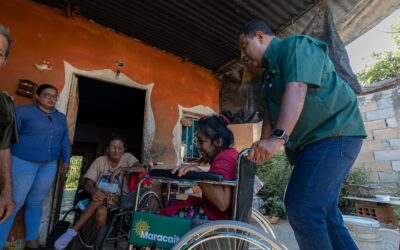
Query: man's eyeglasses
{"points": [[50, 96]]}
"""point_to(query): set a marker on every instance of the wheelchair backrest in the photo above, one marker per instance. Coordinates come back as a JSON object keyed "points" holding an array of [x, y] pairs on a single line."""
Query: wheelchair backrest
{"points": [[243, 195]]}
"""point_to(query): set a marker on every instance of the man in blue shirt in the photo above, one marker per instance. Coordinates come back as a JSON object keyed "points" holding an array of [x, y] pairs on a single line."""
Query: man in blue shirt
{"points": [[8, 135]]}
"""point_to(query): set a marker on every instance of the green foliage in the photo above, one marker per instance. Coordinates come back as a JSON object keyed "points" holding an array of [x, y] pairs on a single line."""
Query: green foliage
{"points": [[387, 64], [397, 194], [356, 176], [74, 173], [275, 174]]}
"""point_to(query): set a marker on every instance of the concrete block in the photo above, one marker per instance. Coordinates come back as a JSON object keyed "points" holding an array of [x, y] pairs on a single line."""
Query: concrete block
{"points": [[396, 166], [380, 114], [385, 103], [394, 143], [370, 136], [389, 133], [387, 155], [392, 122], [385, 166], [365, 157], [371, 146], [387, 177], [377, 124], [368, 107]]}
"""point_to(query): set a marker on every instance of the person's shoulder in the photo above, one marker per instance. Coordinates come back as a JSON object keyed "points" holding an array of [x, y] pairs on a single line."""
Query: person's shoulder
{"points": [[25, 107], [230, 154], [296, 39], [99, 161], [128, 155], [60, 114]]}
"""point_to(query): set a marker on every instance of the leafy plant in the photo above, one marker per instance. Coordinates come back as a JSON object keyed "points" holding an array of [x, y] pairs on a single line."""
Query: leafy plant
{"points": [[387, 64], [275, 174], [357, 176], [397, 193]]}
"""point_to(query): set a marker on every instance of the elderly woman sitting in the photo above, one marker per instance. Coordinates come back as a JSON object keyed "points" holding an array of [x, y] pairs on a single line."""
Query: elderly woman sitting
{"points": [[103, 181]]}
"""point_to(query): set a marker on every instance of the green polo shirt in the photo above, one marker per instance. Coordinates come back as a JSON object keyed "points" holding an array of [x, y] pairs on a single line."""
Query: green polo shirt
{"points": [[330, 107]]}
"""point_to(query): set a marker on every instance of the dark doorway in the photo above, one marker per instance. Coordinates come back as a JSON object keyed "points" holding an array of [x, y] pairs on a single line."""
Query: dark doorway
{"points": [[103, 108]]}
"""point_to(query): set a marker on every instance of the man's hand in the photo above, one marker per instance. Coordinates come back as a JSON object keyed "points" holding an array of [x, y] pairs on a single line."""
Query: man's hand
{"points": [[262, 150], [184, 169], [98, 194], [7, 205]]}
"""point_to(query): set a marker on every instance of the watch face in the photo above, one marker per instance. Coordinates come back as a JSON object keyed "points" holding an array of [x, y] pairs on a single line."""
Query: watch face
{"points": [[278, 132]]}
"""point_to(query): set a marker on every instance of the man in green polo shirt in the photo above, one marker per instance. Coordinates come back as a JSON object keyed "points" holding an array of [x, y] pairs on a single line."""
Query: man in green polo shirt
{"points": [[314, 114], [8, 135]]}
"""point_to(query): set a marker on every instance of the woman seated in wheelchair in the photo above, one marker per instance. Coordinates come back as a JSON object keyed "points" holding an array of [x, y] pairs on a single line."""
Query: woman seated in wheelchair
{"points": [[103, 182], [215, 141]]}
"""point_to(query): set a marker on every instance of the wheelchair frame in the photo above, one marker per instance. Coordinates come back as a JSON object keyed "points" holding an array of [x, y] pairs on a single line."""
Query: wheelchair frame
{"points": [[240, 233]]}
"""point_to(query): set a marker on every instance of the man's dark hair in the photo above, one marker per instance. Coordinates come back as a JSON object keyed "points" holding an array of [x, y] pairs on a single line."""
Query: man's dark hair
{"points": [[6, 33], [42, 87], [250, 28]]}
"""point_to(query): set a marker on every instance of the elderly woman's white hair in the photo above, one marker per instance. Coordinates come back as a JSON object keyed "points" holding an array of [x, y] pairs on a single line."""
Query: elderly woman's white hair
{"points": [[6, 33]]}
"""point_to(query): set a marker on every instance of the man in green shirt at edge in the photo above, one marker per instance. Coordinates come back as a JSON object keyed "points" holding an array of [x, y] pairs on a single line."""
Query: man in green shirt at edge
{"points": [[8, 135], [314, 114]]}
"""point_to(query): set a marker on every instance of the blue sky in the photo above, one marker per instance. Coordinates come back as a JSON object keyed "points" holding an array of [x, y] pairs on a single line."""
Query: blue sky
{"points": [[375, 40]]}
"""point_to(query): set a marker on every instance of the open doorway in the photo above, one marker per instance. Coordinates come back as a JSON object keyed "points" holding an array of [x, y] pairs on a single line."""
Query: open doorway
{"points": [[99, 109]]}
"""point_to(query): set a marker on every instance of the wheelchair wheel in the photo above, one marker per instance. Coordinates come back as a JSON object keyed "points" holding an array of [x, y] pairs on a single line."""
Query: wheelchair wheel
{"points": [[258, 220], [149, 202], [225, 234], [88, 234]]}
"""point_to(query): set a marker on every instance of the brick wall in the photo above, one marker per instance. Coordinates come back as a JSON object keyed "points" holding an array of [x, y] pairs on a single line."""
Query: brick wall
{"points": [[381, 150]]}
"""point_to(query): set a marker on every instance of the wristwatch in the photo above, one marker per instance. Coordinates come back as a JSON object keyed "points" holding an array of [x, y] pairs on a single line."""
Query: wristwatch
{"points": [[280, 134]]}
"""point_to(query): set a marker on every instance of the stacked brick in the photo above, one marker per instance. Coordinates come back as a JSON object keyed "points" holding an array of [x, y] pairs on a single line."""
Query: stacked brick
{"points": [[381, 150]]}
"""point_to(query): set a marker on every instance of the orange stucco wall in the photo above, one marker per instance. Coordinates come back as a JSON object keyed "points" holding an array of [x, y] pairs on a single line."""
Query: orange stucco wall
{"points": [[45, 33]]}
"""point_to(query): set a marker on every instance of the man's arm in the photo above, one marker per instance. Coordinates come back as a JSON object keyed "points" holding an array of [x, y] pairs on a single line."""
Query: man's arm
{"points": [[266, 126], [291, 108], [7, 204]]}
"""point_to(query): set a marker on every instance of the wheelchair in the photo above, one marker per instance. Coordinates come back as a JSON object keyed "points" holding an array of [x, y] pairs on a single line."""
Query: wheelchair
{"points": [[115, 234], [161, 232]]}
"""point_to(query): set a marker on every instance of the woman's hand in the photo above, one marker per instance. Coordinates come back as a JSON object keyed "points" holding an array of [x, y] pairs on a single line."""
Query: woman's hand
{"points": [[98, 194], [119, 171], [184, 169]]}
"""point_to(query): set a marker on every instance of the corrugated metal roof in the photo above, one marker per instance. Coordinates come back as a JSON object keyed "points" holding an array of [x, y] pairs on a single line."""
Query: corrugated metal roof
{"points": [[203, 31]]}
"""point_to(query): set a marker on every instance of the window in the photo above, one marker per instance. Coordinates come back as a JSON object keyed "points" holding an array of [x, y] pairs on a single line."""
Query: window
{"points": [[189, 150]]}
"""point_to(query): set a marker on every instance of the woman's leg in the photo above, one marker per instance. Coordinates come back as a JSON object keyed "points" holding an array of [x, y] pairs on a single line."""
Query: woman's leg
{"points": [[63, 241], [23, 175], [34, 201], [89, 212]]}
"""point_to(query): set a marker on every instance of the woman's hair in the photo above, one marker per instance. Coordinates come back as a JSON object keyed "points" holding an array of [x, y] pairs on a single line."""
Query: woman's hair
{"points": [[115, 136], [216, 127], [44, 86]]}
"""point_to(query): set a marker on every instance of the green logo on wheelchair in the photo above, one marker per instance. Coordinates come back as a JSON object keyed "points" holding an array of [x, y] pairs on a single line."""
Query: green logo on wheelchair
{"points": [[148, 229]]}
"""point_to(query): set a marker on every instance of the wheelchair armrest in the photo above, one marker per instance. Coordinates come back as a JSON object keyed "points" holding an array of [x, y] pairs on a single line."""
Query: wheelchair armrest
{"points": [[191, 175]]}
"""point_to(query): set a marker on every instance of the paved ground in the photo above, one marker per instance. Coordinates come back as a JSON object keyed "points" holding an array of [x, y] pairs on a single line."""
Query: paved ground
{"points": [[286, 235]]}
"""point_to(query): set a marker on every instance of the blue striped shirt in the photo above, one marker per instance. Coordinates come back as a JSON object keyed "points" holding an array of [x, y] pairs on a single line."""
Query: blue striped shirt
{"points": [[43, 136]]}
